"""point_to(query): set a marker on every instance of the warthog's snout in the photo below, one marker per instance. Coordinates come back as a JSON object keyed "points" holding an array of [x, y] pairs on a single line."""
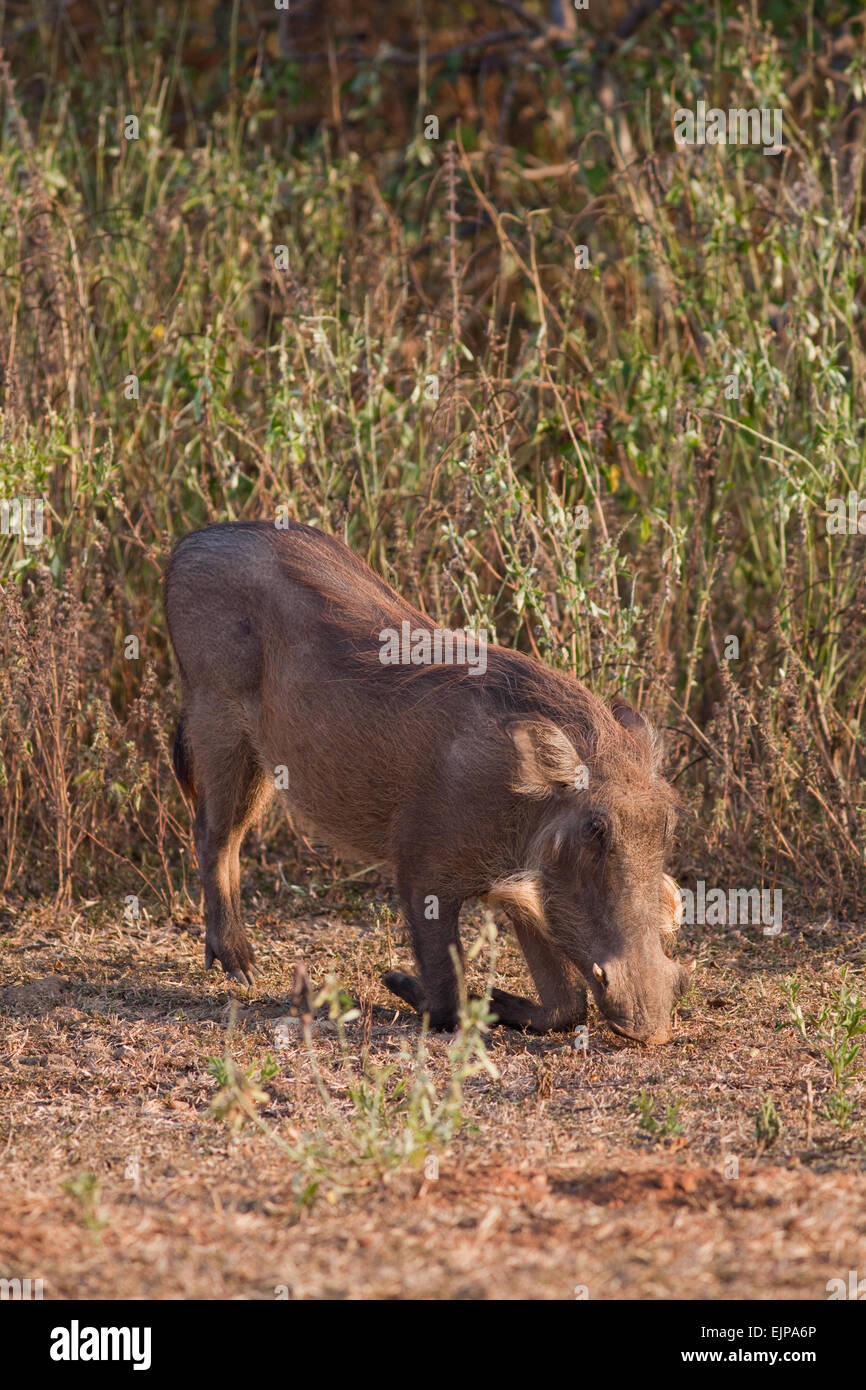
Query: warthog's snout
{"points": [[626, 1029], [637, 1000]]}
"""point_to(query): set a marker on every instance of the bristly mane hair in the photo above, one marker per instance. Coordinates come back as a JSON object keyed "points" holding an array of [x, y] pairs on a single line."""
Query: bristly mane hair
{"points": [[357, 604]]}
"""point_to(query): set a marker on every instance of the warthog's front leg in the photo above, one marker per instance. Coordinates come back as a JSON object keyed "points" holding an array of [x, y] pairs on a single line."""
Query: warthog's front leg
{"points": [[434, 939], [511, 1010], [560, 989], [406, 987], [514, 1011], [562, 997]]}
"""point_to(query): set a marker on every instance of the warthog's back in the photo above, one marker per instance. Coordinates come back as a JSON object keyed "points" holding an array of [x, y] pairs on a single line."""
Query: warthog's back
{"points": [[276, 636], [242, 593], [237, 578]]}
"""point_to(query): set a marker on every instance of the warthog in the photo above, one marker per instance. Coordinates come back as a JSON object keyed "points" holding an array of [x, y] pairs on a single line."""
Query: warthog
{"points": [[513, 784]]}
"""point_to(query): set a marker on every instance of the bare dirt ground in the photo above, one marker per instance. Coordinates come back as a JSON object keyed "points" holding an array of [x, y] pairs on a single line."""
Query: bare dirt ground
{"points": [[119, 1181]]}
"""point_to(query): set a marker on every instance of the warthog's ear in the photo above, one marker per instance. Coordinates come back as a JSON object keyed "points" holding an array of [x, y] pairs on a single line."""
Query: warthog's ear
{"points": [[630, 719], [546, 759]]}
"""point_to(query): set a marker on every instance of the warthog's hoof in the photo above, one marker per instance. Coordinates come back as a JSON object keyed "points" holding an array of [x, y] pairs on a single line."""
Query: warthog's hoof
{"points": [[406, 987], [244, 977], [513, 1011], [237, 961]]}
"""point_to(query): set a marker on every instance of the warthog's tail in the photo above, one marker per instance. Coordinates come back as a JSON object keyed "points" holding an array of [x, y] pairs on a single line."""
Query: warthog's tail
{"points": [[182, 759]]}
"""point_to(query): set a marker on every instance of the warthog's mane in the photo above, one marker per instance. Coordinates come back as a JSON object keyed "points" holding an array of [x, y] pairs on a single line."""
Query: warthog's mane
{"points": [[357, 605]]}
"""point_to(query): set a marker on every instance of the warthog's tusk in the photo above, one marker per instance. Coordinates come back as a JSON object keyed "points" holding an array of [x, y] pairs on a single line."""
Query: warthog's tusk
{"points": [[672, 904]]}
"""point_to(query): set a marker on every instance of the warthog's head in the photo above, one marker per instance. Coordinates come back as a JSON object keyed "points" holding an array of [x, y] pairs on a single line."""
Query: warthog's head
{"points": [[637, 994], [594, 883]]}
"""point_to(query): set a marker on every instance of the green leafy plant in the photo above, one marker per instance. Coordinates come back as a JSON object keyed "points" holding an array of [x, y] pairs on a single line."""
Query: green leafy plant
{"points": [[833, 1032], [84, 1189], [240, 1092], [768, 1125], [669, 1126]]}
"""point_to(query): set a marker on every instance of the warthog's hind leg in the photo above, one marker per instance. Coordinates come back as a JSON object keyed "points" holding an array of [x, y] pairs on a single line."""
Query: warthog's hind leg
{"points": [[231, 789]]}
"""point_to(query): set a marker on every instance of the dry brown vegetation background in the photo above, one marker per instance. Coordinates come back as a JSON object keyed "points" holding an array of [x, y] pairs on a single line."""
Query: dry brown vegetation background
{"points": [[161, 367]]}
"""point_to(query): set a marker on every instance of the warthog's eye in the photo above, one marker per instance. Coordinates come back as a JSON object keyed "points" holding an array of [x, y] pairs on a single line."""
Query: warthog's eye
{"points": [[597, 828]]}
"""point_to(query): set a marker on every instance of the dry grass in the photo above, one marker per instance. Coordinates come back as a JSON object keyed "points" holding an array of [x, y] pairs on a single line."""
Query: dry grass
{"points": [[581, 485], [553, 1185]]}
